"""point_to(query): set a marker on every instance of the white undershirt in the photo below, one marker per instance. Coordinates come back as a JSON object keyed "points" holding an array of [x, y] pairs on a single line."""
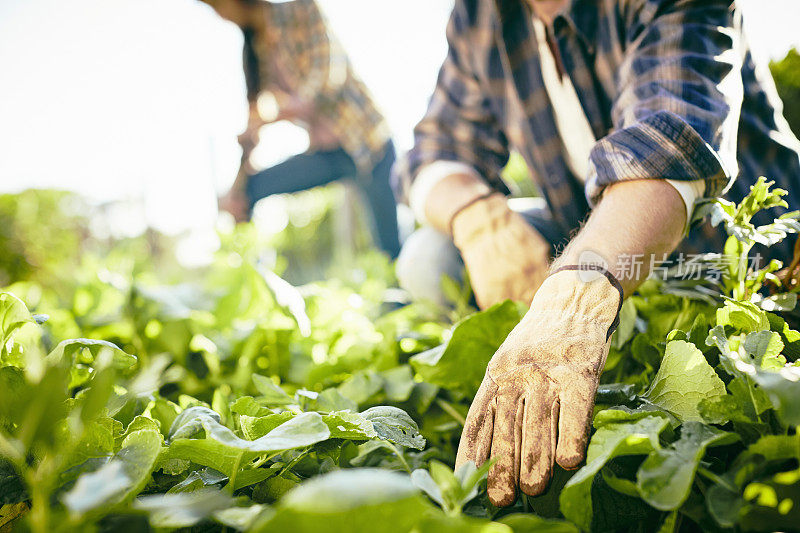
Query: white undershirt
{"points": [[571, 123]]}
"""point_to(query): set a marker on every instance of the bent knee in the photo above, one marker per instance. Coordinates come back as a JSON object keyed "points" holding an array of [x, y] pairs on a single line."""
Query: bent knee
{"points": [[427, 256]]}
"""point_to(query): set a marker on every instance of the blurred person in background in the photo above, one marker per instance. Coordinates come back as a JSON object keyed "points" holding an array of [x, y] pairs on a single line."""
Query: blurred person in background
{"points": [[296, 70], [629, 115]]}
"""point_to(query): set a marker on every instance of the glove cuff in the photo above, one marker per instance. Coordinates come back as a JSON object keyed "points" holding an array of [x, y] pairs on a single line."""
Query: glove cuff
{"points": [[486, 213], [487, 204], [612, 280]]}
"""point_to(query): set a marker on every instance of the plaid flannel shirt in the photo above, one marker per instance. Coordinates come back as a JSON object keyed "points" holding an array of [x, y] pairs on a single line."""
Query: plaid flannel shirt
{"points": [[298, 55], [669, 87]]}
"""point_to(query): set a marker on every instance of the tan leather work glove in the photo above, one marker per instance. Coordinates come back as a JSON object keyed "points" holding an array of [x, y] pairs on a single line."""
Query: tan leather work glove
{"points": [[535, 403], [505, 257]]}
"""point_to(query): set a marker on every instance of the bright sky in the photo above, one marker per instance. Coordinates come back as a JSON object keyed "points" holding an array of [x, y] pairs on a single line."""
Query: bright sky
{"points": [[141, 100]]}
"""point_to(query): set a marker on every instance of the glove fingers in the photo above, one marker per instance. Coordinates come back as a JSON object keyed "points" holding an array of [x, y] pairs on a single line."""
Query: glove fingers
{"points": [[573, 424], [502, 484], [538, 440], [483, 446], [475, 427]]}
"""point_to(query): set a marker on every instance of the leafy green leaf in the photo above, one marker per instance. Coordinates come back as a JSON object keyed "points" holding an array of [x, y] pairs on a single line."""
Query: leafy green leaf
{"points": [[301, 430], [470, 476], [288, 297], [790, 337], [271, 394], [254, 427], [461, 363], [183, 509], [438, 523], [722, 409], [627, 324], [248, 406], [764, 348], [530, 523], [423, 480], [239, 518], [612, 439], [349, 489], [761, 380], [724, 500], [121, 478], [451, 490], [395, 425], [360, 387], [222, 450], [398, 383], [33, 412], [347, 425], [783, 389], [12, 488], [85, 355], [349, 500], [742, 316], [737, 218], [773, 448], [666, 476], [615, 393], [330, 400], [189, 422], [13, 315], [205, 477], [683, 380]]}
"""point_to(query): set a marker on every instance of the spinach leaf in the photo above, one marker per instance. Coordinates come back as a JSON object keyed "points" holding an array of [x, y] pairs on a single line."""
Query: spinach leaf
{"points": [[665, 478], [460, 364], [684, 379]]}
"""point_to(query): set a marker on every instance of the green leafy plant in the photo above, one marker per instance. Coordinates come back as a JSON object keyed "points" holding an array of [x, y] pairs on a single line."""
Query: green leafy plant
{"points": [[227, 399], [786, 73]]}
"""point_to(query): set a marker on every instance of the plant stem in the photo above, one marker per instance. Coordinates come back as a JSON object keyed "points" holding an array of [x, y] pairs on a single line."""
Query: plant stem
{"points": [[293, 462], [232, 478], [399, 455], [40, 505], [752, 398], [708, 474], [447, 408]]}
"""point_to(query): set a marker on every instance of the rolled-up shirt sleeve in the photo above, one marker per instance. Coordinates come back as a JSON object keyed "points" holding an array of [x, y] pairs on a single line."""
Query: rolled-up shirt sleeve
{"points": [[459, 125], [680, 94]]}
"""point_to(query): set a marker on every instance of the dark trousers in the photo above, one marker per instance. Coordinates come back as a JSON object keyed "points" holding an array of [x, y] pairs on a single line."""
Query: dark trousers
{"points": [[312, 169]]}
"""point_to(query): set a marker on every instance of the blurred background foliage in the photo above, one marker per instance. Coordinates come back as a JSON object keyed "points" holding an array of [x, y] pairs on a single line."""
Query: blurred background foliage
{"points": [[787, 80], [41, 233], [45, 235]]}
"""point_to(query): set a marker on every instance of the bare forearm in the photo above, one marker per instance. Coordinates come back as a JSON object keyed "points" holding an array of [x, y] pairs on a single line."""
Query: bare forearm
{"points": [[638, 219]]}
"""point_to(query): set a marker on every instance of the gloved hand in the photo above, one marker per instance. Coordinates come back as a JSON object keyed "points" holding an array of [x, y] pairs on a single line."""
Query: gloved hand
{"points": [[535, 403], [505, 257]]}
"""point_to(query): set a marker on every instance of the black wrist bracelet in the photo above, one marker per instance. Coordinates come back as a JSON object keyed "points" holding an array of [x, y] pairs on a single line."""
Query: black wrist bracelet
{"points": [[611, 279], [466, 205]]}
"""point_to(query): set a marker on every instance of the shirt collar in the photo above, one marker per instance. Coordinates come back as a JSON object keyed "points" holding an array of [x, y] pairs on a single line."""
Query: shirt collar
{"points": [[579, 16]]}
